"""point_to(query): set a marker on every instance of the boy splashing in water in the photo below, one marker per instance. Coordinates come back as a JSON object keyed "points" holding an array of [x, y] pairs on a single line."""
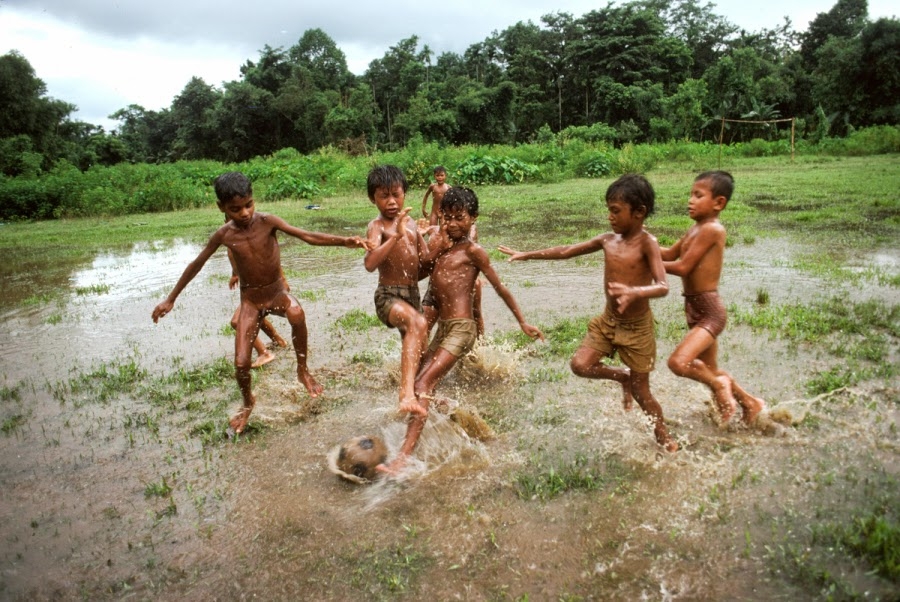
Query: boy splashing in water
{"points": [[697, 257], [251, 237], [633, 274], [457, 263]]}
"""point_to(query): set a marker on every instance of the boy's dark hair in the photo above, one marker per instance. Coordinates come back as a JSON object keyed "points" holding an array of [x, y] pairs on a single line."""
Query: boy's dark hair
{"points": [[633, 189], [460, 197], [720, 182], [440, 169], [231, 185], [385, 176]]}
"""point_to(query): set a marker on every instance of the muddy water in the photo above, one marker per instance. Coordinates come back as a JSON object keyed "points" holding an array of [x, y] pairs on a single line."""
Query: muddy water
{"points": [[262, 517]]}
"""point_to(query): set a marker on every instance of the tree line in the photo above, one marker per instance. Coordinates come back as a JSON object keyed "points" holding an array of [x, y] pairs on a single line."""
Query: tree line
{"points": [[645, 71]]}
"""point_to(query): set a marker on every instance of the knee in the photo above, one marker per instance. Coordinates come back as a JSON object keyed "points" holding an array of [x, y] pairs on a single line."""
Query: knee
{"points": [[295, 315], [578, 366], [242, 367], [678, 364]]}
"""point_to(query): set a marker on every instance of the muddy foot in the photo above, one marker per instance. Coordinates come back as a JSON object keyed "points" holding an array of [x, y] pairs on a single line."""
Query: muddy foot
{"points": [[311, 384], [239, 421], [725, 403], [752, 407], [413, 406], [262, 359], [393, 468]]}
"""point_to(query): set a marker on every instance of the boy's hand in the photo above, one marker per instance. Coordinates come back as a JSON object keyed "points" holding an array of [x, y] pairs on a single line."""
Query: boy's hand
{"points": [[354, 242], [531, 331], [233, 281], [161, 310], [398, 224], [623, 294], [514, 255]]}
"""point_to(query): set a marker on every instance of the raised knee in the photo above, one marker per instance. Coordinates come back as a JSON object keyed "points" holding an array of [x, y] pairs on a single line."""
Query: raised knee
{"points": [[678, 365], [577, 365]]}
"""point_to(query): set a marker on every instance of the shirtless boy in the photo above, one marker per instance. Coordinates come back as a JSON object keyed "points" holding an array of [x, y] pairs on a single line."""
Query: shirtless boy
{"points": [[437, 192], [633, 274], [251, 237], [697, 257], [397, 250], [458, 261]]}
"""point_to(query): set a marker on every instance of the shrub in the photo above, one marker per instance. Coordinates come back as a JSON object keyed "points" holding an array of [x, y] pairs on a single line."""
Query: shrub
{"points": [[485, 169]]}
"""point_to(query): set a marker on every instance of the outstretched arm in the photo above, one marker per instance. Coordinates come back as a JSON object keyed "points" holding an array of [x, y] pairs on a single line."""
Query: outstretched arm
{"points": [[671, 253], [483, 263], [562, 252], [318, 238], [192, 269]]}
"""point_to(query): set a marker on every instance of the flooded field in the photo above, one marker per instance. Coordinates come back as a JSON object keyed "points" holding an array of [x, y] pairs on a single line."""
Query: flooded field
{"points": [[118, 482]]}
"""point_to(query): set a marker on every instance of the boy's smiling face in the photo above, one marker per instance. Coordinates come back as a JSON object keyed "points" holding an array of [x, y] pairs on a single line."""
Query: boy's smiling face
{"points": [[239, 210], [389, 200], [458, 223]]}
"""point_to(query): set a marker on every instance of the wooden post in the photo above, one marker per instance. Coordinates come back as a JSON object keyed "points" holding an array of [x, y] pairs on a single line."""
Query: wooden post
{"points": [[792, 139], [721, 140]]}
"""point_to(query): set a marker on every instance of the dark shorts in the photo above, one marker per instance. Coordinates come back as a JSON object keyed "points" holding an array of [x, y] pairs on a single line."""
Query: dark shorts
{"points": [[707, 311], [634, 340], [386, 296]]}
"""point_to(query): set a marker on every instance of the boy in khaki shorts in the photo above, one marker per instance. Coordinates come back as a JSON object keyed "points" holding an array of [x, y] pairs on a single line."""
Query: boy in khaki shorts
{"points": [[633, 274], [457, 263]]}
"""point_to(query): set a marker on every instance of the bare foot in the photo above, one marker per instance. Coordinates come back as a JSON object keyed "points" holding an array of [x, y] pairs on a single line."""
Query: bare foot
{"points": [[263, 358], [314, 388], [626, 397], [413, 406], [665, 440], [239, 421], [752, 406], [725, 402], [393, 468], [279, 341]]}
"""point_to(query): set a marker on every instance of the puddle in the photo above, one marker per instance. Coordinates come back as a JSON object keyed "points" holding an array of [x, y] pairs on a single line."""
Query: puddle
{"points": [[85, 512]]}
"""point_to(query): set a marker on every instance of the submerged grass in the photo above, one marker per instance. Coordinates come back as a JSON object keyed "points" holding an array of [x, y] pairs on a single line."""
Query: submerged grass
{"points": [[547, 478]]}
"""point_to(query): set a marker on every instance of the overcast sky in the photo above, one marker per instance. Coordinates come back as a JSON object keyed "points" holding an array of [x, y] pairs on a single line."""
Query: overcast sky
{"points": [[103, 55]]}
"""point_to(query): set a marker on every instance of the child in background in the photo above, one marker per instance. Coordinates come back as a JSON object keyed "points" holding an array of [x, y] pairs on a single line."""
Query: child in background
{"points": [[633, 274], [697, 258], [437, 191], [252, 239]]}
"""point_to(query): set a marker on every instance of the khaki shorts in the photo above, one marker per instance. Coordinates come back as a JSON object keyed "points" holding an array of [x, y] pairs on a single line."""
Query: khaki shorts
{"points": [[387, 295], [634, 340], [456, 336]]}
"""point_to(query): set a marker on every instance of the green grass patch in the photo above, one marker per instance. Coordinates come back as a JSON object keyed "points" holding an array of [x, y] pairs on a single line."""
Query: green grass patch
{"points": [[545, 480], [11, 423], [357, 320], [94, 289]]}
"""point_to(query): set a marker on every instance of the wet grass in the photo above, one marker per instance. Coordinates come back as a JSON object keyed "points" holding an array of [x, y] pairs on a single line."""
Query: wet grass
{"points": [[546, 477], [864, 335], [357, 320]]}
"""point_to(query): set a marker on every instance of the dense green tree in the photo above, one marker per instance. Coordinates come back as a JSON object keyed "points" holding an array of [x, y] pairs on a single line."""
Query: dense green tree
{"points": [[192, 113], [845, 20], [318, 54]]}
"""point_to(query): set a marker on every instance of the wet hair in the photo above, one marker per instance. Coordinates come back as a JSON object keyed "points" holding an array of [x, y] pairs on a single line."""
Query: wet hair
{"points": [[633, 189], [385, 176], [720, 183], [460, 197], [232, 185], [440, 169]]}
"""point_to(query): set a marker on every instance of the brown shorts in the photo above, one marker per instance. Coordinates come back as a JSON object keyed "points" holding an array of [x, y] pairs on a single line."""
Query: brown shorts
{"points": [[456, 336], [706, 310], [634, 340], [428, 299], [387, 295]]}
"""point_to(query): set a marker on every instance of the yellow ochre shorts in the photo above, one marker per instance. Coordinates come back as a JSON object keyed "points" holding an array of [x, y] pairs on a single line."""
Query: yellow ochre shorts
{"points": [[634, 340], [457, 336]]}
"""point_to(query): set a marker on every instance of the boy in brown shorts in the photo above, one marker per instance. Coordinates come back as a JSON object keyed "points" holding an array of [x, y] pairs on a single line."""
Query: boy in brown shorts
{"points": [[697, 257], [633, 274], [397, 251], [457, 263]]}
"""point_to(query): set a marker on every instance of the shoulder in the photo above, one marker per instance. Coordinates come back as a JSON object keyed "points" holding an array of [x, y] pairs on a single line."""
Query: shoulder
{"points": [[711, 228]]}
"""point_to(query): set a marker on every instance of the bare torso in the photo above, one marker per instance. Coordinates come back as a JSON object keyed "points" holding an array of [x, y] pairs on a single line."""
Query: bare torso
{"points": [[705, 275], [401, 266], [626, 262], [453, 282]]}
